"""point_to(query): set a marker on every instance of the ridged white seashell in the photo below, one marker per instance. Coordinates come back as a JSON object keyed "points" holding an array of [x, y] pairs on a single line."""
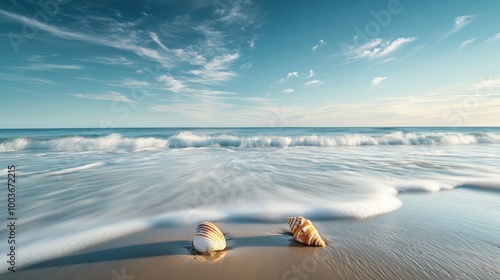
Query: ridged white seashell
{"points": [[208, 238], [304, 231]]}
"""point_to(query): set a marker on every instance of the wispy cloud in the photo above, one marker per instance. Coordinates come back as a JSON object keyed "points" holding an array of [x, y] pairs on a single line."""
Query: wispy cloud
{"points": [[208, 60], [25, 80], [459, 23], [135, 83], [378, 80], [410, 52], [311, 74], [156, 39], [218, 69], [462, 21], [428, 109], [280, 81], [112, 60], [489, 83], [107, 96], [376, 48], [288, 90], [291, 75], [171, 84], [313, 83], [238, 12], [72, 35], [251, 43], [246, 65], [466, 42], [493, 38], [43, 67], [320, 44], [259, 100]]}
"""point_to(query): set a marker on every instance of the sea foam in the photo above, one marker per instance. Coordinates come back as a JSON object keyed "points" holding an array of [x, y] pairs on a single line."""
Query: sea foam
{"points": [[187, 139]]}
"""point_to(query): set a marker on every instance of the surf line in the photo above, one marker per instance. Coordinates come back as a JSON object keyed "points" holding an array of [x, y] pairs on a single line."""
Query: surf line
{"points": [[11, 217]]}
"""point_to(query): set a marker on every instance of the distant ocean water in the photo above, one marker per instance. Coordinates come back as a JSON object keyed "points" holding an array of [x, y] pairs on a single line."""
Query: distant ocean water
{"points": [[77, 187]]}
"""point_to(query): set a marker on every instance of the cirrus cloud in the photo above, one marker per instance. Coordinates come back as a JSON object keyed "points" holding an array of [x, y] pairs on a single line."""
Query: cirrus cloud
{"points": [[292, 74], [376, 48], [320, 44], [378, 80], [313, 83]]}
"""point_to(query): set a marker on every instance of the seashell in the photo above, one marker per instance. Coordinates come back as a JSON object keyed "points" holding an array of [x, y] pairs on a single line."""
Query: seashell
{"points": [[208, 238], [304, 231]]}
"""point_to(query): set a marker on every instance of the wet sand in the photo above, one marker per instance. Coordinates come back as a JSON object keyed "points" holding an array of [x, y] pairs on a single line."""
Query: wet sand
{"points": [[447, 235]]}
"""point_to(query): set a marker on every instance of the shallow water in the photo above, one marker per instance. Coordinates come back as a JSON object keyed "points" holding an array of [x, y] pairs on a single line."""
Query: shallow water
{"points": [[77, 187]]}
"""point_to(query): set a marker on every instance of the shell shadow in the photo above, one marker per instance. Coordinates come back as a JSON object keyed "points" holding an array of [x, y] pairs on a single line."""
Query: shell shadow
{"points": [[177, 247], [212, 256], [281, 239]]}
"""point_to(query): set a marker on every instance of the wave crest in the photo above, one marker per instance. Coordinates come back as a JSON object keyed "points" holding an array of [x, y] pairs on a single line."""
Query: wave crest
{"points": [[110, 142], [187, 139]]}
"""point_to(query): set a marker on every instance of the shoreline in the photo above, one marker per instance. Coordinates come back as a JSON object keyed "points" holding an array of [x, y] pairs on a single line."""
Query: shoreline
{"points": [[445, 235]]}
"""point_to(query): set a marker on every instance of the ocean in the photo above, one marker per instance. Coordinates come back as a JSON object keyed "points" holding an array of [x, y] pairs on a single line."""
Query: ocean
{"points": [[79, 187]]}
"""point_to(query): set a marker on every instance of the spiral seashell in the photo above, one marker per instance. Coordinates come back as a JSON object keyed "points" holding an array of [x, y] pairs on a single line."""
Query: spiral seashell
{"points": [[304, 231], [208, 238]]}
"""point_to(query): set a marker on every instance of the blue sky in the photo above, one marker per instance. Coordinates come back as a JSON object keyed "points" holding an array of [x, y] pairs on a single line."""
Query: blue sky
{"points": [[249, 63]]}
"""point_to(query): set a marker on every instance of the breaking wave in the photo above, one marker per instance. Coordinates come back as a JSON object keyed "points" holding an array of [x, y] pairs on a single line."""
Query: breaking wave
{"points": [[186, 139]]}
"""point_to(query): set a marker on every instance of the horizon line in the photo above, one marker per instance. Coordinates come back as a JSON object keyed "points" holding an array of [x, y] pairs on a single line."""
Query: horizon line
{"points": [[234, 127]]}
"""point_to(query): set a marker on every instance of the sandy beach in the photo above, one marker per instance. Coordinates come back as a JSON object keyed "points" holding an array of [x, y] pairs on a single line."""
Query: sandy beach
{"points": [[447, 235]]}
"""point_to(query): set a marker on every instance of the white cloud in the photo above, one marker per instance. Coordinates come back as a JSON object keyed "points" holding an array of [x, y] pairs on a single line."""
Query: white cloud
{"points": [[288, 90], [427, 109], [134, 83], [235, 12], [258, 100], [123, 44], [280, 81], [376, 48], [251, 43], [291, 75], [489, 83], [50, 67], [393, 46], [24, 79], [320, 44], [217, 70], [246, 66], [460, 22], [466, 42], [186, 54], [118, 60], [378, 80], [495, 37], [108, 96], [190, 56], [311, 74], [155, 38], [171, 84], [313, 83]]}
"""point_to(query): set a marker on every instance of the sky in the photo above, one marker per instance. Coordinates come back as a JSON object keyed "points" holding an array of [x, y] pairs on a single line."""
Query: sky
{"points": [[164, 63]]}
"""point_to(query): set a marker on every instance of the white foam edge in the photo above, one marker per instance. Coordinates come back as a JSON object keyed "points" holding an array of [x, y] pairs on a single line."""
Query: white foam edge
{"points": [[47, 247]]}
